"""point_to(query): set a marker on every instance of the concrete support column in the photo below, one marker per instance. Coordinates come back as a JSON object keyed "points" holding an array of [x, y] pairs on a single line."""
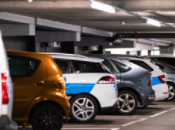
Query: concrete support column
{"points": [[149, 52], [138, 53]]}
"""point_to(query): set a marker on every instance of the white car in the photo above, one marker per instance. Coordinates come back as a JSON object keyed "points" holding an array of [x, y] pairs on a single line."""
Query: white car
{"points": [[6, 92], [158, 77], [90, 86]]}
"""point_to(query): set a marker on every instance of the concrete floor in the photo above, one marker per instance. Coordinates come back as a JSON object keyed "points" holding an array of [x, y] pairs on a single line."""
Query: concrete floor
{"points": [[159, 116]]}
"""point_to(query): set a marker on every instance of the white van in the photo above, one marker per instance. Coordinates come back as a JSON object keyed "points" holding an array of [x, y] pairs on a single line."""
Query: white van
{"points": [[6, 92], [90, 86]]}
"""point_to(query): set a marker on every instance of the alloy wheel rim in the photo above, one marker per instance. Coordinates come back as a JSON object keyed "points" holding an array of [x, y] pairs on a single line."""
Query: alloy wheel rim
{"points": [[127, 102], [47, 119], [83, 109], [171, 92]]}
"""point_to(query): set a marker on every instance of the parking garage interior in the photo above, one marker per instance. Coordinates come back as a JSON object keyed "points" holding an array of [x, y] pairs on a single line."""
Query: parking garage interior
{"points": [[74, 27]]}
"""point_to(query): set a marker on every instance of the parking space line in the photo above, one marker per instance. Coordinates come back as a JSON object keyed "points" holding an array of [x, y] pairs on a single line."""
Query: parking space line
{"points": [[92, 128], [130, 123], [65, 126], [115, 128], [172, 109], [158, 114]]}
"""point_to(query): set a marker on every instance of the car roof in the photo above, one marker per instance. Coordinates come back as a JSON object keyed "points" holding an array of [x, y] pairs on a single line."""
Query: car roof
{"points": [[160, 56], [27, 53], [74, 57]]}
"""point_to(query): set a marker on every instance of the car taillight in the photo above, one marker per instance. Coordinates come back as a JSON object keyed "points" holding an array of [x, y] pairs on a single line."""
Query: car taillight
{"points": [[5, 98], [107, 80], [161, 78]]}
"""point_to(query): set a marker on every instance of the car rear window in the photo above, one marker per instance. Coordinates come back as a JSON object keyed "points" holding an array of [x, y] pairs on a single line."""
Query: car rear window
{"points": [[88, 67], [22, 66], [142, 64], [108, 65], [62, 64], [170, 61], [121, 67]]}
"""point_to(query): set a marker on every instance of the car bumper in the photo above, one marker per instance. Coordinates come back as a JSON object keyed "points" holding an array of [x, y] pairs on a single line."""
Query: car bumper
{"points": [[115, 107], [7, 124], [106, 94], [148, 96], [161, 91]]}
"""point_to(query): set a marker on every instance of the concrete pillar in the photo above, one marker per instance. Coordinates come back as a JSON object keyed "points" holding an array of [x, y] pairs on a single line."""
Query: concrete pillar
{"points": [[149, 52], [138, 53]]}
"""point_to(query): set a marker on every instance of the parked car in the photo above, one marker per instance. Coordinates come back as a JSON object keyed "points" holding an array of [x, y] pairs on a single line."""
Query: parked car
{"points": [[169, 60], [134, 84], [40, 96], [90, 86], [169, 77], [158, 77], [6, 92]]}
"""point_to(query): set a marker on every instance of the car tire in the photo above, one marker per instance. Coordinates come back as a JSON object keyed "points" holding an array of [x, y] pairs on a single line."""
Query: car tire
{"points": [[142, 106], [47, 116], [128, 102], [171, 92], [83, 108]]}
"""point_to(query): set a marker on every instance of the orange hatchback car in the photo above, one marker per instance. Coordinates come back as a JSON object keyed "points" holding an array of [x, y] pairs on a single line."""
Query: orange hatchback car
{"points": [[39, 91]]}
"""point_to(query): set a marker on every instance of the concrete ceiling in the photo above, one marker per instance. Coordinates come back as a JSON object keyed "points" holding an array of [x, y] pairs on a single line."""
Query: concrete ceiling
{"points": [[79, 12]]}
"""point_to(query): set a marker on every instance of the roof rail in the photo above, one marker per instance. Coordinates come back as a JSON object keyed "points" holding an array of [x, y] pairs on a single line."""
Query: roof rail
{"points": [[65, 54]]}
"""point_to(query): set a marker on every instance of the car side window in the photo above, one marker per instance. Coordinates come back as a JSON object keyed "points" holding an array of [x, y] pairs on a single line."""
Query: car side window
{"points": [[121, 67], [169, 61], [62, 64], [142, 64], [87, 67], [108, 65], [22, 66]]}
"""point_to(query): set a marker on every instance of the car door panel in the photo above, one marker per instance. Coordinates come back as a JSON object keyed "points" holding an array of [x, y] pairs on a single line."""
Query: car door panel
{"points": [[24, 85]]}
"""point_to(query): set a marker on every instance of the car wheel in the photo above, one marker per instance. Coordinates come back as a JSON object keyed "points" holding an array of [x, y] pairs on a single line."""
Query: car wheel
{"points": [[83, 108], [142, 106], [128, 102], [47, 117], [171, 92]]}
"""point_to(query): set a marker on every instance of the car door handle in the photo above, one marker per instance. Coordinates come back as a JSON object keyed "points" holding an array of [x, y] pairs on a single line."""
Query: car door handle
{"points": [[39, 83]]}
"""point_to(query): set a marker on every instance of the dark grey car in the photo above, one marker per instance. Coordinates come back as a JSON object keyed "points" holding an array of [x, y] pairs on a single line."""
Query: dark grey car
{"points": [[134, 84]]}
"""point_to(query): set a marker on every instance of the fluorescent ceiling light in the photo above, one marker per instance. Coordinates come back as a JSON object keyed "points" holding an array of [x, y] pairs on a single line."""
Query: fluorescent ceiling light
{"points": [[154, 22], [102, 7]]}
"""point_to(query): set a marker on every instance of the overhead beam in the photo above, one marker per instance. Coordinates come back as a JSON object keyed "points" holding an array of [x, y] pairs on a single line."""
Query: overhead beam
{"points": [[96, 32], [142, 35], [57, 25], [53, 36], [17, 29], [17, 18], [147, 41]]}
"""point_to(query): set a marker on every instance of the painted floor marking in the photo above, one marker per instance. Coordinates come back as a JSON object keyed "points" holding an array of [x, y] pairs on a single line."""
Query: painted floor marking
{"points": [[130, 123], [91, 128], [67, 126], [172, 109], [158, 114]]}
